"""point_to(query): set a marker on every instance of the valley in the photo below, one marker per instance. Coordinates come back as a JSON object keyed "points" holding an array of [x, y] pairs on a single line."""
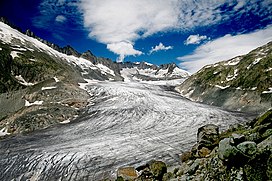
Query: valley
{"points": [[125, 124]]}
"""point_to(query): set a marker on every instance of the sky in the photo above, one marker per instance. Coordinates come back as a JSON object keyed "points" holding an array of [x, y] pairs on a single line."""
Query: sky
{"points": [[190, 33]]}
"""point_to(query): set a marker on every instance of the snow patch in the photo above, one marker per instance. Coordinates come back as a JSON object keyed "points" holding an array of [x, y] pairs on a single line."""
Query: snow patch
{"points": [[22, 81], [27, 104], [14, 54], [65, 121], [253, 88], [257, 60], [1, 49], [268, 92], [56, 79], [4, 132], [48, 88], [269, 69], [231, 77], [222, 87], [105, 69], [234, 61]]}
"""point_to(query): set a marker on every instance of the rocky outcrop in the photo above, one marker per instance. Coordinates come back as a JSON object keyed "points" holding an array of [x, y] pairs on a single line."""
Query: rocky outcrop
{"points": [[242, 83]]}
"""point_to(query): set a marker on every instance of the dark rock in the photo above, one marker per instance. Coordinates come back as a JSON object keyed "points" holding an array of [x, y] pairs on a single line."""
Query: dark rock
{"points": [[238, 138], [248, 148], [158, 169], [208, 135]]}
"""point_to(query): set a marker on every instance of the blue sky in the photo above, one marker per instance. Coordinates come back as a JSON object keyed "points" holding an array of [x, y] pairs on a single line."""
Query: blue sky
{"points": [[191, 33]]}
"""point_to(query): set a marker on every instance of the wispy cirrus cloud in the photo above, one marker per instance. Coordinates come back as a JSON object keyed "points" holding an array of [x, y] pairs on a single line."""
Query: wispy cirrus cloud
{"points": [[113, 22], [195, 39], [225, 48], [160, 47]]}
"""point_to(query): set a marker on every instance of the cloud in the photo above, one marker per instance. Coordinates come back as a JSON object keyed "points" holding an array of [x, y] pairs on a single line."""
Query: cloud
{"points": [[159, 48], [194, 39], [60, 19], [225, 48], [123, 49], [112, 22]]}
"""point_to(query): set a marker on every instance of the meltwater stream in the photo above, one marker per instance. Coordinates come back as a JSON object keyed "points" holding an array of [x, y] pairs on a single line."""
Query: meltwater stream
{"points": [[127, 124]]}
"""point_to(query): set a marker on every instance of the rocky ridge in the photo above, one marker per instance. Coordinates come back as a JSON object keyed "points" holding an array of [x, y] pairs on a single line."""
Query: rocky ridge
{"points": [[243, 83], [243, 152]]}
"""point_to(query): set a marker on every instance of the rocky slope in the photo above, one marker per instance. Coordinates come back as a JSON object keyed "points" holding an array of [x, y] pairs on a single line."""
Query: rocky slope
{"points": [[243, 152], [243, 83]]}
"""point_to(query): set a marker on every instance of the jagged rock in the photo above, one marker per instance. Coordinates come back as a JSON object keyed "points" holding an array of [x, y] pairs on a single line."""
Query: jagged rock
{"points": [[238, 138], [127, 173], [207, 135], [248, 148], [158, 169], [225, 150]]}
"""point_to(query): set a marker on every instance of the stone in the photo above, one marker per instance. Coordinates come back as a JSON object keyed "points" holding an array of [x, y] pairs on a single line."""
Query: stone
{"points": [[265, 145], [248, 148], [194, 167], [158, 169], [127, 173], [203, 152], [226, 150], [186, 156], [207, 135], [238, 138]]}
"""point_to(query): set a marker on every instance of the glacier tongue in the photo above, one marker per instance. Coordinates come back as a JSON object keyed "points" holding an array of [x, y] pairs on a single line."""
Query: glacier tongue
{"points": [[129, 123]]}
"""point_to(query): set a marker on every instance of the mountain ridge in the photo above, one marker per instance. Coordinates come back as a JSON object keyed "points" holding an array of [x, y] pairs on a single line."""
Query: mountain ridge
{"points": [[242, 83]]}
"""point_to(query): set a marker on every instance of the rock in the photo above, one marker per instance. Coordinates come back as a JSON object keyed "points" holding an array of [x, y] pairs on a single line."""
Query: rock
{"points": [[265, 145], [207, 135], [168, 176], [145, 175], [127, 173], [238, 138], [248, 148], [203, 152], [158, 169], [186, 156], [226, 150], [194, 167]]}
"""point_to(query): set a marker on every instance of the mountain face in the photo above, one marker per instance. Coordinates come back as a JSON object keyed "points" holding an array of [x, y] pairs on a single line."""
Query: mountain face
{"points": [[42, 84], [243, 83]]}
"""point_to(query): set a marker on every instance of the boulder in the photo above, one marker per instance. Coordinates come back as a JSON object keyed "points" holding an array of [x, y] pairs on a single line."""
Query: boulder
{"points": [[203, 152], [225, 150], [158, 169], [208, 135], [248, 148], [238, 138], [186, 156], [127, 173]]}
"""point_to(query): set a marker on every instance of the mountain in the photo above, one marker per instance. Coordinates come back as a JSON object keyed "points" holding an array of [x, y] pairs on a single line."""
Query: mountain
{"points": [[42, 84], [243, 83], [149, 72]]}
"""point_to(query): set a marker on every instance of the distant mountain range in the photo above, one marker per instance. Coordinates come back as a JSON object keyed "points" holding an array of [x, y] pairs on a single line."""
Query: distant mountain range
{"points": [[243, 83]]}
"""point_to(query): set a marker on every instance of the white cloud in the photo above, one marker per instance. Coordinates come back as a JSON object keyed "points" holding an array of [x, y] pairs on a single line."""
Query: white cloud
{"points": [[60, 18], [123, 49], [194, 39], [159, 48], [115, 21], [225, 48]]}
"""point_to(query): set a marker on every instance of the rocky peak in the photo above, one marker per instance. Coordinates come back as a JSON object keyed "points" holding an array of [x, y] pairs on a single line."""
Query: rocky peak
{"points": [[30, 33], [89, 56], [68, 50]]}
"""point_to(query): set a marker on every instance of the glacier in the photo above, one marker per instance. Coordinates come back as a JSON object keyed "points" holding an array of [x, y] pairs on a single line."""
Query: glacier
{"points": [[126, 124]]}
